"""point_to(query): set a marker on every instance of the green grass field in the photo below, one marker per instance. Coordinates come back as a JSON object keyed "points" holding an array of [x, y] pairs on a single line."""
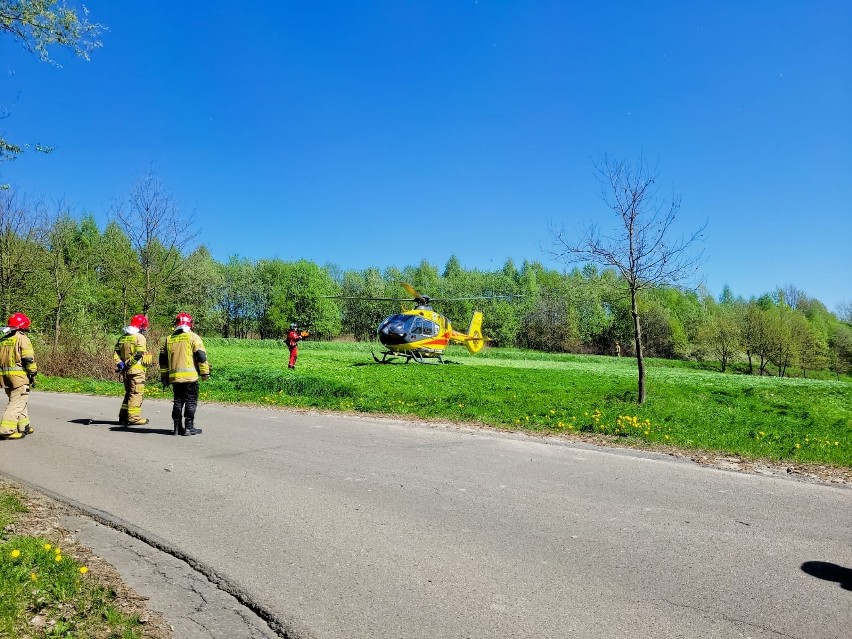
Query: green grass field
{"points": [[797, 420]]}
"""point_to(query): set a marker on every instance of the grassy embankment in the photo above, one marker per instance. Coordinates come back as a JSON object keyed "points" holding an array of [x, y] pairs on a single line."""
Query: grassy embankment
{"points": [[46, 593], [796, 420]]}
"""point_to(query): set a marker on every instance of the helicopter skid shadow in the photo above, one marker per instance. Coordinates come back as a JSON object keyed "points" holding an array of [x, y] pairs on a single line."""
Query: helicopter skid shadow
{"points": [[388, 362]]}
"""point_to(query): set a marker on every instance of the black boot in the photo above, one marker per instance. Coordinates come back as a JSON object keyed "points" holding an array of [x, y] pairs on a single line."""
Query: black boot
{"points": [[178, 427], [190, 428]]}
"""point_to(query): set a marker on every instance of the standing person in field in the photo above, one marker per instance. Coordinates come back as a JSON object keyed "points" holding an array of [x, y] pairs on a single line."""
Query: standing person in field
{"points": [[131, 359], [17, 374], [293, 339], [182, 361]]}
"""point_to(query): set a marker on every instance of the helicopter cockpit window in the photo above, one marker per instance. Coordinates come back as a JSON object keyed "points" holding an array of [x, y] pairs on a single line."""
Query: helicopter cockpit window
{"points": [[417, 326]]}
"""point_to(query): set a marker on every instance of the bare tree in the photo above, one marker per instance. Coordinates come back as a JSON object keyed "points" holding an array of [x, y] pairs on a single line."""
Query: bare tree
{"points": [[640, 249], [158, 233]]}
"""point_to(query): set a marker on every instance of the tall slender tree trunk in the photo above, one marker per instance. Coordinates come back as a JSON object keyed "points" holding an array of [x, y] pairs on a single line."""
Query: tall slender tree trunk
{"points": [[56, 317], [637, 332]]}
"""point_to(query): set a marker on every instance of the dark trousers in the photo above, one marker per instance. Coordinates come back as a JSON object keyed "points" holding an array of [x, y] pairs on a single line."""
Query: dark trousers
{"points": [[185, 401]]}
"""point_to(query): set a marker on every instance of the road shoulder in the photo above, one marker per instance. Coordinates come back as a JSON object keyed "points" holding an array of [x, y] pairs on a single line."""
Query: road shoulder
{"points": [[169, 596]]}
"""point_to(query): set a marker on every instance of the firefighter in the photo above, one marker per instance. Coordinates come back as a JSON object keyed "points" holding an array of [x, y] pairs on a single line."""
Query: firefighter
{"points": [[293, 339], [131, 359], [17, 375], [182, 361]]}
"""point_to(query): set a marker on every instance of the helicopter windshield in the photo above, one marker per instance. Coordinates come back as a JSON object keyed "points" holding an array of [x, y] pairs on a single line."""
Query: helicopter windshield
{"points": [[398, 329]]}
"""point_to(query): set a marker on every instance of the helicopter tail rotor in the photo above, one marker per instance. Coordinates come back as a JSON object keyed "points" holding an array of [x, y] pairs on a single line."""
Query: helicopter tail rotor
{"points": [[475, 341]]}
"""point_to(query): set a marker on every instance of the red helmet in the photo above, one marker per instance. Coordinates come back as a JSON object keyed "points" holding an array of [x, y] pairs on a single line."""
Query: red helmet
{"points": [[183, 319], [19, 321], [139, 321]]}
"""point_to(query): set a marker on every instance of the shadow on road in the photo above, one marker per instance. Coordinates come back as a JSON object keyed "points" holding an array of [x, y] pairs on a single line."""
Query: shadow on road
{"points": [[829, 572], [143, 429], [116, 426]]}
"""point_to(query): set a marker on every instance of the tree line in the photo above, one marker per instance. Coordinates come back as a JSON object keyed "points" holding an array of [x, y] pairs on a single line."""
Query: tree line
{"points": [[81, 283]]}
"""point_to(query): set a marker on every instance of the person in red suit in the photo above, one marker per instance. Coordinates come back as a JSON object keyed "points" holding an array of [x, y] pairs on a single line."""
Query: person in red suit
{"points": [[294, 336]]}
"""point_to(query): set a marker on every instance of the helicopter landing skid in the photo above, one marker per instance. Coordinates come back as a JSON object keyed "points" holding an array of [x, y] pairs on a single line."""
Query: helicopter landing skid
{"points": [[388, 357]]}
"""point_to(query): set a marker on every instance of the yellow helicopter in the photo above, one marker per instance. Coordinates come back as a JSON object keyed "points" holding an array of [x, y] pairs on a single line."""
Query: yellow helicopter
{"points": [[421, 333]]}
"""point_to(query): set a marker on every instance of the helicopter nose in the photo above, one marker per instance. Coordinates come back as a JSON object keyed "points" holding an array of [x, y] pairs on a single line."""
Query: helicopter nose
{"points": [[392, 334]]}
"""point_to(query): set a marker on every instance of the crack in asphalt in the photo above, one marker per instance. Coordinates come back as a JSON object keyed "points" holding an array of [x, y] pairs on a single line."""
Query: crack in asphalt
{"points": [[728, 618]]}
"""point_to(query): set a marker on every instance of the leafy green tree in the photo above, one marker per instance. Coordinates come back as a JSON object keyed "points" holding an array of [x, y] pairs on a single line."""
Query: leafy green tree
{"points": [[65, 265], [236, 294], [361, 313], [120, 276], [303, 295], [194, 291], [21, 236], [840, 349], [811, 345], [453, 268], [720, 335]]}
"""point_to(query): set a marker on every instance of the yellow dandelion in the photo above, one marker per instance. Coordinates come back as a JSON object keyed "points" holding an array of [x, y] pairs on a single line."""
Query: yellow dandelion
{"points": [[47, 546], [798, 445], [15, 553], [83, 570], [58, 558], [33, 576]]}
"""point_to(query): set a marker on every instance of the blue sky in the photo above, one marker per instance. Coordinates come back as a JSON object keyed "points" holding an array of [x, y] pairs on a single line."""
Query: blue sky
{"points": [[382, 133]]}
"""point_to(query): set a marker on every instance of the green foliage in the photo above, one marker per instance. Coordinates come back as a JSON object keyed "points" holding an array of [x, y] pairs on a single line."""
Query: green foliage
{"points": [[302, 294]]}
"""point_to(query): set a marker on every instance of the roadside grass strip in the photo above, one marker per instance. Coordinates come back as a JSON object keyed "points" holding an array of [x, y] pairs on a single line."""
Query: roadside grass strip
{"points": [[45, 592]]}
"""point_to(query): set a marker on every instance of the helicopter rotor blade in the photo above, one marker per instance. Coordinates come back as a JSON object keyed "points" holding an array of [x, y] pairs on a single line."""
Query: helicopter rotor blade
{"points": [[476, 297], [420, 299], [368, 299]]}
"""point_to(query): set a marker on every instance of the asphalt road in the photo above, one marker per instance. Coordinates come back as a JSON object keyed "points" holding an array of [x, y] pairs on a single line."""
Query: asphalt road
{"points": [[351, 527]]}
